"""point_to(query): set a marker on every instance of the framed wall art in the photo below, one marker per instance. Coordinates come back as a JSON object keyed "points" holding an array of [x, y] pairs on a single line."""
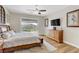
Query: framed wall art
{"points": [[73, 18]]}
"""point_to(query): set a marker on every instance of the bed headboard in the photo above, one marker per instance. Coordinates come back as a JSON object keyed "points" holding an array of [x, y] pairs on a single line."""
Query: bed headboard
{"points": [[4, 28]]}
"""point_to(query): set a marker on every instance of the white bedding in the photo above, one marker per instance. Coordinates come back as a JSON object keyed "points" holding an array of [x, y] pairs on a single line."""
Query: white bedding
{"points": [[20, 39]]}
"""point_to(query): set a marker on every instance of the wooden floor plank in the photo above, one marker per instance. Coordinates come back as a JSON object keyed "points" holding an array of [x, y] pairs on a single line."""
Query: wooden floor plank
{"points": [[63, 47]]}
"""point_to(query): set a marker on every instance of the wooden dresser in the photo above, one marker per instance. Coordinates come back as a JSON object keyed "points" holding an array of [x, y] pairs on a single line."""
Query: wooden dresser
{"points": [[56, 35]]}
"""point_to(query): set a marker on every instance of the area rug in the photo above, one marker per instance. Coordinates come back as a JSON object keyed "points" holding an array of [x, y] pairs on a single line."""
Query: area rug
{"points": [[45, 48]]}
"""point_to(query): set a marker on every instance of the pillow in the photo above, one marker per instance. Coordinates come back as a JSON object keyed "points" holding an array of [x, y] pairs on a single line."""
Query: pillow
{"points": [[4, 29], [6, 35], [12, 32]]}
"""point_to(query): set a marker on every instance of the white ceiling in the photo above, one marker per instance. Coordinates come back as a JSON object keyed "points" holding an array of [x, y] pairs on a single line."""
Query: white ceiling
{"points": [[24, 9]]}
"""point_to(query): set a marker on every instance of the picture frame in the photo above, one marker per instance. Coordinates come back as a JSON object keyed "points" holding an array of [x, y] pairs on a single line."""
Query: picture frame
{"points": [[73, 18]]}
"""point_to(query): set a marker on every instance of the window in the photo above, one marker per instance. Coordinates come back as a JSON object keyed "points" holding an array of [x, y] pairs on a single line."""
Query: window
{"points": [[29, 25], [2, 15]]}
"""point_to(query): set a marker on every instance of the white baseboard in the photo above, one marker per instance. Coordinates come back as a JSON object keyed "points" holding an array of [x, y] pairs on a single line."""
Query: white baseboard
{"points": [[77, 46]]}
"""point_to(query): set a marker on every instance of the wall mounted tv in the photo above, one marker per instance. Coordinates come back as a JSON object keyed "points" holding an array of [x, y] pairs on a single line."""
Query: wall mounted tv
{"points": [[55, 22]]}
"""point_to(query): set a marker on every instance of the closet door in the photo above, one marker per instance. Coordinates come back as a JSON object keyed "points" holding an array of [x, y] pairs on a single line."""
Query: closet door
{"points": [[2, 15]]}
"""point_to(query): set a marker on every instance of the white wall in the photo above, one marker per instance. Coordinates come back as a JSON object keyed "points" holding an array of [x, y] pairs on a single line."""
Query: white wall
{"points": [[71, 34], [15, 21]]}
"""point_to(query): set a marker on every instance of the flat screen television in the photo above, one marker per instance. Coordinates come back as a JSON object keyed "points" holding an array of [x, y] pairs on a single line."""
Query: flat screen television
{"points": [[55, 22]]}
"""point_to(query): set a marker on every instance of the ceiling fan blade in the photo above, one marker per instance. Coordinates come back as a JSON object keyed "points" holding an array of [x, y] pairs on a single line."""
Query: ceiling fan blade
{"points": [[42, 10]]}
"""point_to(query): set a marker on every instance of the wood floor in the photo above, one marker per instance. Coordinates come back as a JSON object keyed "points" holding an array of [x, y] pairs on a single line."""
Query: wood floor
{"points": [[63, 47]]}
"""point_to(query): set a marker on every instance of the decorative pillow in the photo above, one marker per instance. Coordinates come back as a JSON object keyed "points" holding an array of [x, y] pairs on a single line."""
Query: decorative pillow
{"points": [[6, 35], [4, 29], [12, 32]]}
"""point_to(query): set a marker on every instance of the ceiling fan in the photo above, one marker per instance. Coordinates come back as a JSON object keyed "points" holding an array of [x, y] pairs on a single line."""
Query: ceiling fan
{"points": [[39, 11]]}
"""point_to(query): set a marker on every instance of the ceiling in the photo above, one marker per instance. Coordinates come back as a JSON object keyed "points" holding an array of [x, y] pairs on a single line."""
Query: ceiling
{"points": [[24, 9]]}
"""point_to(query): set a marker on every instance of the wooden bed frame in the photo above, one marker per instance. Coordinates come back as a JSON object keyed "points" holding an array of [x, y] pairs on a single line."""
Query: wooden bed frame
{"points": [[26, 46]]}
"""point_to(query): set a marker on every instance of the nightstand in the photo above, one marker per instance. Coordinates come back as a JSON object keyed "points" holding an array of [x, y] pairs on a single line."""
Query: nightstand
{"points": [[1, 45]]}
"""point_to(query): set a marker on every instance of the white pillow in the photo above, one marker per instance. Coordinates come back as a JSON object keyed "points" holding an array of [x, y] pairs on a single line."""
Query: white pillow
{"points": [[4, 29], [12, 32], [6, 35]]}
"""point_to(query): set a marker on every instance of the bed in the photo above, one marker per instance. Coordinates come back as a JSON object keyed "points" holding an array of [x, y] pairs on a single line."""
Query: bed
{"points": [[21, 40]]}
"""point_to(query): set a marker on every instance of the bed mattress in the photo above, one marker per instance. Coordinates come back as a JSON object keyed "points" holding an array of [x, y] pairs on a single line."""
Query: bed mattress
{"points": [[21, 39]]}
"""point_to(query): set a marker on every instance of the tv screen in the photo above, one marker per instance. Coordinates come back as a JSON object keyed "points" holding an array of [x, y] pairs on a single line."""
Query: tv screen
{"points": [[55, 22]]}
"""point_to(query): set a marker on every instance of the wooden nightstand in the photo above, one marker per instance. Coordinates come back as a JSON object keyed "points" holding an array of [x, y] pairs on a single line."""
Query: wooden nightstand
{"points": [[1, 45]]}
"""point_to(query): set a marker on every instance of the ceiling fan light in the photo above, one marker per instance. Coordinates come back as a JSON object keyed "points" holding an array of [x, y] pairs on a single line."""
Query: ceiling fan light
{"points": [[39, 13]]}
